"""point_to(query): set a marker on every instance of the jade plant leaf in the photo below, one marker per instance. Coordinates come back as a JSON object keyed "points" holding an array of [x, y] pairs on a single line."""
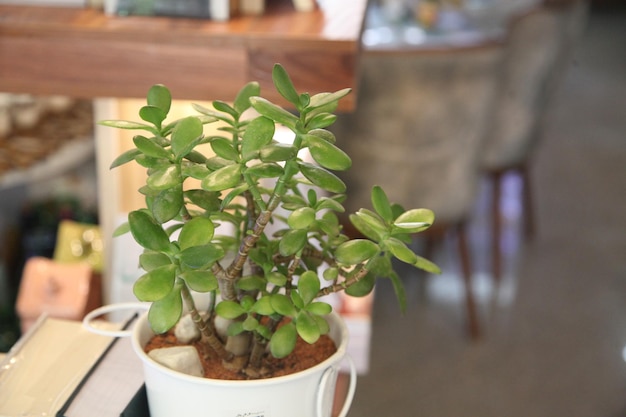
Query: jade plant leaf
{"points": [[166, 312], [274, 112], [328, 155], [223, 179], [319, 308], [150, 260], [125, 157], [307, 327], [308, 286], [201, 256], [150, 147], [147, 232], [283, 340], [229, 309], [415, 220], [196, 232], [258, 133], [152, 114], [363, 287], [156, 284], [301, 218], [355, 251], [292, 242], [284, 85], [400, 250], [160, 96], [184, 135], [322, 178], [381, 204], [167, 204], [242, 100], [164, 178], [283, 305]]}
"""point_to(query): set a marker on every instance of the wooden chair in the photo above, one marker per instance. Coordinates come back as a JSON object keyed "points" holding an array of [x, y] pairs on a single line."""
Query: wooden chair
{"points": [[416, 132], [537, 52]]}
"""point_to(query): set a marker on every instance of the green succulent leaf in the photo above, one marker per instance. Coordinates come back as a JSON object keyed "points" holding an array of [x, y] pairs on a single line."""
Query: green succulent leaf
{"points": [[166, 312], [292, 242], [200, 281], [223, 179], [324, 134], [242, 101], [328, 155], [308, 286], [276, 278], [400, 250], [265, 170], [167, 204], [196, 232], [150, 147], [277, 152], [201, 256], [426, 265], [153, 114], [381, 204], [184, 135], [321, 120], [369, 226], [128, 125], [415, 220], [160, 97], [284, 85], [322, 178], [331, 273], [224, 149], [283, 305], [258, 133], [206, 200], [251, 283], [319, 308], [355, 251], [274, 112], [307, 327], [229, 309], [147, 232], [122, 229], [156, 284], [301, 218], [150, 260], [250, 324], [399, 290], [362, 287], [283, 340], [165, 178], [324, 99], [263, 306], [125, 157]]}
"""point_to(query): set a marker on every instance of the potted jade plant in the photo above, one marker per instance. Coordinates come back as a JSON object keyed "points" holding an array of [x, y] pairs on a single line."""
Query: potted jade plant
{"points": [[262, 293]]}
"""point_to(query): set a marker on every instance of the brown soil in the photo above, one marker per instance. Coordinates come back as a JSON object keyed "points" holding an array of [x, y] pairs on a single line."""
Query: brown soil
{"points": [[303, 357]]}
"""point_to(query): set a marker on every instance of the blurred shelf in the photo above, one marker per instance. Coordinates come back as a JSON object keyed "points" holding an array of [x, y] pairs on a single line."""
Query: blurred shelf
{"points": [[86, 53]]}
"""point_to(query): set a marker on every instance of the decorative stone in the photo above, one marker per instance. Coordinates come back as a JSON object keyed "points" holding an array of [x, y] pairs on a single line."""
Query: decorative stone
{"points": [[184, 359], [186, 330]]}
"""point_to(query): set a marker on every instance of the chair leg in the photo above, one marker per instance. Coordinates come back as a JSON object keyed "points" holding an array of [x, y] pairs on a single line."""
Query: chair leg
{"points": [[496, 226], [470, 304], [528, 215]]}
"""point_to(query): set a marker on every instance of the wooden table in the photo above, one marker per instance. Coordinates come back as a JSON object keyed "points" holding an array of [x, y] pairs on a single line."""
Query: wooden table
{"points": [[86, 53]]}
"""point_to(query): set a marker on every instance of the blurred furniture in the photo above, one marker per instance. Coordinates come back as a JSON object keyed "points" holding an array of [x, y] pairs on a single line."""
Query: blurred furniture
{"points": [[70, 51], [537, 53], [67, 291], [416, 132]]}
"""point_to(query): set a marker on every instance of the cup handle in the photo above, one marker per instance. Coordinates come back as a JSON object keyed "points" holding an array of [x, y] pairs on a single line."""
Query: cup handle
{"points": [[112, 308], [326, 379]]}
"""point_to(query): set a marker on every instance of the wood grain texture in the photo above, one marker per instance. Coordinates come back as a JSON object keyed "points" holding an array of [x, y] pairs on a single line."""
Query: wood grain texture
{"points": [[85, 53]]}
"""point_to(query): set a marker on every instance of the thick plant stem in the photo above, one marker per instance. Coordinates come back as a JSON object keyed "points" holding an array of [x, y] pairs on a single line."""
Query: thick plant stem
{"points": [[340, 286], [207, 332]]}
